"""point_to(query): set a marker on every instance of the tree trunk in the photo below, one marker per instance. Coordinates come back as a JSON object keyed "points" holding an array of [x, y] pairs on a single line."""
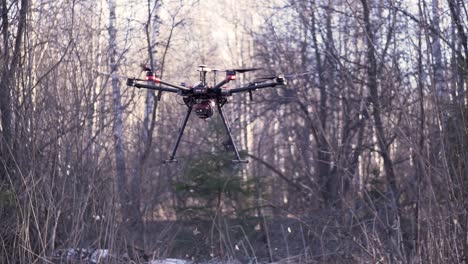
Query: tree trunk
{"points": [[8, 81], [382, 140], [328, 183], [130, 212], [460, 132], [439, 82], [375, 101]]}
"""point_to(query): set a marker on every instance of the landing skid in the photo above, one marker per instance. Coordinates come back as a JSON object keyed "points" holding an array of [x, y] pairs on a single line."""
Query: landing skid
{"points": [[226, 126]]}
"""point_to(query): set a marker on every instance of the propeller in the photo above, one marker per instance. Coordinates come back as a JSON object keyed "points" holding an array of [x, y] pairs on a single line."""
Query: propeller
{"points": [[239, 70], [150, 76], [264, 79], [242, 70], [278, 78]]}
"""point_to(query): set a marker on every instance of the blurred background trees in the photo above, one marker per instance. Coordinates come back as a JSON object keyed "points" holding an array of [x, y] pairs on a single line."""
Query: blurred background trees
{"points": [[366, 148]]}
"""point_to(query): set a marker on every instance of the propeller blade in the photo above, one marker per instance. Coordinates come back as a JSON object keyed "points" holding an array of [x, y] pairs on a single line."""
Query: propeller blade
{"points": [[278, 78], [264, 79], [242, 70], [239, 70]]}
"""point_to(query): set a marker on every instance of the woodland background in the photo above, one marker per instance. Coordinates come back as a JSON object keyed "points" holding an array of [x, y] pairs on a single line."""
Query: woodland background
{"points": [[361, 158]]}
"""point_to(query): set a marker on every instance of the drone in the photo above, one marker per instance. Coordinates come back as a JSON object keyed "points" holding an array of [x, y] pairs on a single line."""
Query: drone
{"points": [[203, 98]]}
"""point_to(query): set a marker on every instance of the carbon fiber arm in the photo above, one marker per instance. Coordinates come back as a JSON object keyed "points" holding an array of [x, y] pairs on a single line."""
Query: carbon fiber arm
{"points": [[254, 86], [161, 86]]}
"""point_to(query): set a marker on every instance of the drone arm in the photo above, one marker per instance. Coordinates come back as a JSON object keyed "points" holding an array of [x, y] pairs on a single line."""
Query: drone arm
{"points": [[154, 87], [252, 87], [163, 86], [172, 85], [220, 84]]}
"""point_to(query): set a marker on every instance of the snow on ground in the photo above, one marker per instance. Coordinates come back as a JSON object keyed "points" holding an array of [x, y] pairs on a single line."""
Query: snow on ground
{"points": [[101, 255], [170, 261]]}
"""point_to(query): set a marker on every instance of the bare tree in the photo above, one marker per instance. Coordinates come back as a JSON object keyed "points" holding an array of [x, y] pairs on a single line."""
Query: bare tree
{"points": [[11, 56]]}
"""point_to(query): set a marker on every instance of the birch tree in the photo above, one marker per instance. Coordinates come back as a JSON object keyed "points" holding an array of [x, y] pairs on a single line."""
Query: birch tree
{"points": [[130, 213]]}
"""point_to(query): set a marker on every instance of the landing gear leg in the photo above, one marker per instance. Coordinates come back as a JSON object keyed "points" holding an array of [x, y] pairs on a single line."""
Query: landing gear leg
{"points": [[228, 130], [181, 132]]}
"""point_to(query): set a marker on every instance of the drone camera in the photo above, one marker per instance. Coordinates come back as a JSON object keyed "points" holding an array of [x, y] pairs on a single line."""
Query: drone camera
{"points": [[204, 109]]}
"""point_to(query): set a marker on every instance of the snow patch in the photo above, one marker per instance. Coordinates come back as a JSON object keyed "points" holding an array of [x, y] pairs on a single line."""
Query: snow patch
{"points": [[170, 261]]}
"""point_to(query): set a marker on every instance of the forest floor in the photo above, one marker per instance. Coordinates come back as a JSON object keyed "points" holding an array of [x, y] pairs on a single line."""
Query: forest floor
{"points": [[285, 240]]}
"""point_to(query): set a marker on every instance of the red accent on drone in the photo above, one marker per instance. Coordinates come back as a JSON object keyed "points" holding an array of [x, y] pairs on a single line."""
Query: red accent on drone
{"points": [[153, 78], [231, 77]]}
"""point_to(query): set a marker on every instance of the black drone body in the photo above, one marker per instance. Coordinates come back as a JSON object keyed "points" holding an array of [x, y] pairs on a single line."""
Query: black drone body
{"points": [[202, 98]]}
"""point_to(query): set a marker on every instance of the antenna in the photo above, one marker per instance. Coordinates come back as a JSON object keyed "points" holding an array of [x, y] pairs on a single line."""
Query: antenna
{"points": [[203, 70], [214, 76]]}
